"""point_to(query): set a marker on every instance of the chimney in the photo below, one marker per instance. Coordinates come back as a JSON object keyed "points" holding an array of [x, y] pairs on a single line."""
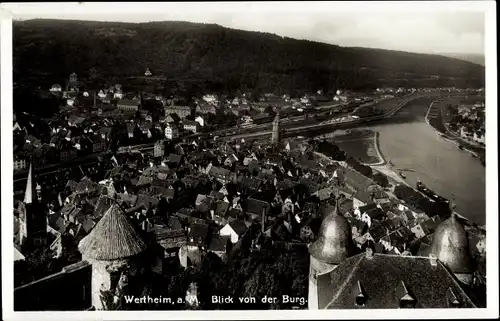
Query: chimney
{"points": [[433, 259]]}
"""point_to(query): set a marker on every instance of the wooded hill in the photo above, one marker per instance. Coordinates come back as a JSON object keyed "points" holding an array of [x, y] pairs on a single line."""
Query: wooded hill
{"points": [[49, 50]]}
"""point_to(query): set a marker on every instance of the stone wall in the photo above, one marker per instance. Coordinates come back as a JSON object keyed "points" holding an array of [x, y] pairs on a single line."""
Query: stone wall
{"points": [[68, 290]]}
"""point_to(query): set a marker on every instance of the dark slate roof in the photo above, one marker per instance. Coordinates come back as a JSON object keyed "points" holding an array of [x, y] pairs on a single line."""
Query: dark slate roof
{"points": [[363, 196], [426, 283], [239, 227], [217, 195], [218, 243], [128, 102], [379, 194], [367, 208], [253, 206], [356, 179], [250, 183], [174, 223], [221, 208], [234, 213], [377, 232], [175, 158], [314, 223], [198, 230], [219, 172], [360, 225], [169, 239], [375, 213]]}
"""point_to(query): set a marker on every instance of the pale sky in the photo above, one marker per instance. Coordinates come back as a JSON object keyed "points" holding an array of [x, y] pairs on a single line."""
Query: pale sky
{"points": [[391, 25]]}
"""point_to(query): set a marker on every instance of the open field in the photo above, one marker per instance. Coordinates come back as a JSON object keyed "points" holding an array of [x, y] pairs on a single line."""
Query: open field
{"points": [[360, 144]]}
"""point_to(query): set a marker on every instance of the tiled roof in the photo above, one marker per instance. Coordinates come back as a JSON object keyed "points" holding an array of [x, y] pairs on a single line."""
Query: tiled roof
{"points": [[325, 193], [112, 238], [375, 213], [250, 183], [175, 158], [238, 226], [128, 102], [378, 279], [222, 208], [198, 230], [253, 206], [218, 243], [356, 179], [377, 232]]}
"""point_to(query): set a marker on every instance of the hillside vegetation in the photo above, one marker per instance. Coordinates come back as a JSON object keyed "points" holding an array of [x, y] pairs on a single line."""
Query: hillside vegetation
{"points": [[49, 50]]}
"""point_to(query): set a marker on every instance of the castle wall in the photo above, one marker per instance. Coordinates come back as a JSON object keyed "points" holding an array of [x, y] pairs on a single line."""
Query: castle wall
{"points": [[316, 268], [68, 290], [102, 274]]}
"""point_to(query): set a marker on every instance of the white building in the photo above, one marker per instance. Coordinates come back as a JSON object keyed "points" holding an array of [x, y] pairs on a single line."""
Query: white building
{"points": [[118, 95], [479, 139], [191, 126], [210, 99], [56, 88], [19, 164], [200, 121], [234, 229], [171, 131]]}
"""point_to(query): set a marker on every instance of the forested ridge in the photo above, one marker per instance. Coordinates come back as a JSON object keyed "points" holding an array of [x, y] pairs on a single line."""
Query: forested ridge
{"points": [[50, 50]]}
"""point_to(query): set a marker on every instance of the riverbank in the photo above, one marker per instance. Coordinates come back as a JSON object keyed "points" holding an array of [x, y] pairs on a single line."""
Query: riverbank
{"points": [[443, 167], [443, 131]]}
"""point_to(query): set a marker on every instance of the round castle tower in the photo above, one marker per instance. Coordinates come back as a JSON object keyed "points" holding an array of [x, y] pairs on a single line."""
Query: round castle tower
{"points": [[450, 245], [112, 248], [333, 245]]}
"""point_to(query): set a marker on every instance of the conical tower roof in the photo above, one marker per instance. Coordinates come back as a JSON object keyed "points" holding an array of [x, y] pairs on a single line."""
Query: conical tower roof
{"points": [[113, 238], [450, 244], [30, 193], [333, 244]]}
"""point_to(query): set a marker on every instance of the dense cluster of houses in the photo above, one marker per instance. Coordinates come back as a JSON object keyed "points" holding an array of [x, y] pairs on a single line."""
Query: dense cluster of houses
{"points": [[471, 124], [213, 198]]}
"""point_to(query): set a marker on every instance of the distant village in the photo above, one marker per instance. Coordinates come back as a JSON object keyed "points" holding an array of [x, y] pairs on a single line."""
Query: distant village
{"points": [[188, 193], [468, 121], [92, 121]]}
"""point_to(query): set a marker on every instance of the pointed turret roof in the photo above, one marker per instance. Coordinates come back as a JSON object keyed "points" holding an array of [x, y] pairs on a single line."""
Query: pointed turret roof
{"points": [[450, 244], [30, 194], [113, 238]]}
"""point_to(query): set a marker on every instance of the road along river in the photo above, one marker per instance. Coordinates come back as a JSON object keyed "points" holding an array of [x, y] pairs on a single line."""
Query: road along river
{"points": [[409, 142]]}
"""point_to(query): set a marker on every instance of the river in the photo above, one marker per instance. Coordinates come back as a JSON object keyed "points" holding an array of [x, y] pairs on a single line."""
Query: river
{"points": [[409, 142]]}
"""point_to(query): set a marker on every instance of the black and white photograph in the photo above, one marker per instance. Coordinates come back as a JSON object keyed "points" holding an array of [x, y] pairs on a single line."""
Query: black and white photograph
{"points": [[249, 160]]}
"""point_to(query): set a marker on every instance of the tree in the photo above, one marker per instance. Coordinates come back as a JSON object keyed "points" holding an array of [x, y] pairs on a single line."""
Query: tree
{"points": [[381, 179], [270, 110], [36, 265]]}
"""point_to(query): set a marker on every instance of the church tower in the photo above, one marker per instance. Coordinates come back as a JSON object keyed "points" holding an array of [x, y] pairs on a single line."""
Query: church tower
{"points": [[32, 216], [276, 130], [333, 245]]}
